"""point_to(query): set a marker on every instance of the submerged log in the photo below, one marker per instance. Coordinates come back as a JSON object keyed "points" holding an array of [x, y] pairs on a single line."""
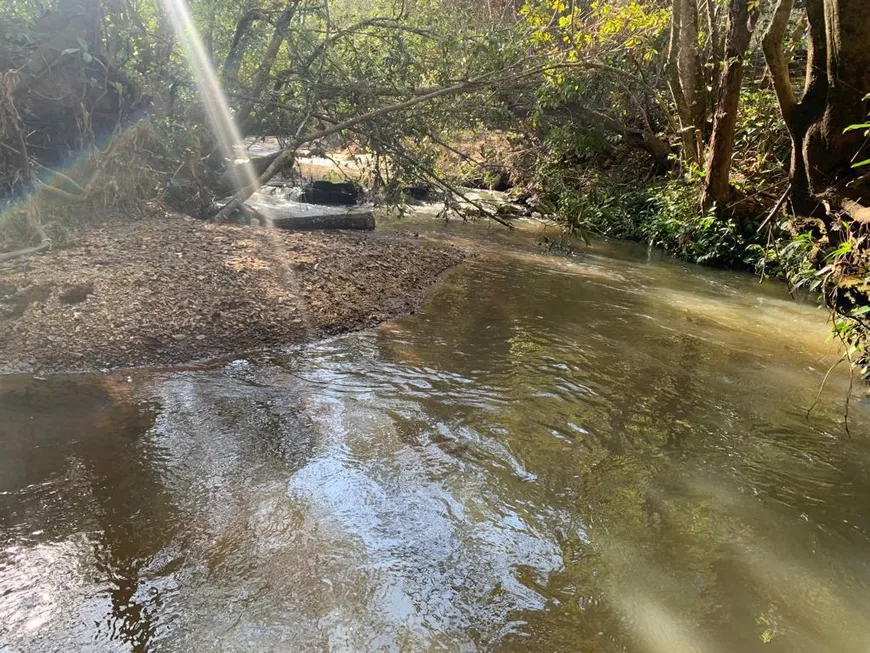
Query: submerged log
{"points": [[364, 220]]}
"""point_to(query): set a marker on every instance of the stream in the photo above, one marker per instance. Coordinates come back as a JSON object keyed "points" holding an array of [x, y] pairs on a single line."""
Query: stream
{"points": [[607, 452]]}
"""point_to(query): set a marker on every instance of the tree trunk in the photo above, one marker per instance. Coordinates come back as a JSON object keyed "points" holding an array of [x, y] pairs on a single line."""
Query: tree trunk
{"points": [[689, 64], [230, 71], [824, 186], [837, 80], [685, 77], [364, 220], [717, 189], [828, 152]]}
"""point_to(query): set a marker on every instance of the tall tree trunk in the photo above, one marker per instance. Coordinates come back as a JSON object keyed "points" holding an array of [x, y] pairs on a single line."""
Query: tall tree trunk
{"points": [[824, 187], [689, 64], [837, 80], [829, 152], [685, 77], [230, 70], [717, 189]]}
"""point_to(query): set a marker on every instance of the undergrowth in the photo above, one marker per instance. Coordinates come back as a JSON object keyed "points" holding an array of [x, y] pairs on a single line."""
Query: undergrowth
{"points": [[663, 214]]}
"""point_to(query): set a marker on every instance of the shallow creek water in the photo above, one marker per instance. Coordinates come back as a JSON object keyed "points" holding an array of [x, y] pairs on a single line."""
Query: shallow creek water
{"points": [[600, 453]]}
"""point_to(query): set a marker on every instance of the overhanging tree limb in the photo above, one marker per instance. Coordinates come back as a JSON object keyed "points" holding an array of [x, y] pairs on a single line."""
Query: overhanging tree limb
{"points": [[775, 58], [265, 67], [287, 154]]}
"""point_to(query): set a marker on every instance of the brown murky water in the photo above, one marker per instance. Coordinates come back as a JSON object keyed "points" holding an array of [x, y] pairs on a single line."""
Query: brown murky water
{"points": [[600, 454]]}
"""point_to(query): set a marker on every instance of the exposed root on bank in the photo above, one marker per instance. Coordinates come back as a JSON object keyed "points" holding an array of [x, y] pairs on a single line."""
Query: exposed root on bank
{"points": [[43, 246]]}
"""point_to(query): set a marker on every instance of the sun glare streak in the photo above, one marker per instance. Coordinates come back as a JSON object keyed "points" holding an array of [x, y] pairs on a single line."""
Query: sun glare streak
{"points": [[216, 106], [226, 130]]}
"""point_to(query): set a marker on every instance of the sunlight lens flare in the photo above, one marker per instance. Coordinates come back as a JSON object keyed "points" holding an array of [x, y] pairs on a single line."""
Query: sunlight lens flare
{"points": [[217, 109]]}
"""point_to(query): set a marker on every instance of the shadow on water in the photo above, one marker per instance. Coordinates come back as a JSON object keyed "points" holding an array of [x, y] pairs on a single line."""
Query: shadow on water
{"points": [[599, 453]]}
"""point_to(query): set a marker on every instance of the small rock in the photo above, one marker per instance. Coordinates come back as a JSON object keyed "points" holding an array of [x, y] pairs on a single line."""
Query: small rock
{"points": [[201, 336], [179, 336]]}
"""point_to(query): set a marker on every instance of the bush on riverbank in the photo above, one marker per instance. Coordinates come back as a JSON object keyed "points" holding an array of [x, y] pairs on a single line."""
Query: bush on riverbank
{"points": [[609, 188], [662, 214]]}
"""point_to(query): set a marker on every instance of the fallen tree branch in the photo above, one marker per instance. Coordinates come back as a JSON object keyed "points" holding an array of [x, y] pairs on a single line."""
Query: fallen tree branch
{"points": [[775, 210], [43, 246], [443, 183], [288, 153], [455, 191]]}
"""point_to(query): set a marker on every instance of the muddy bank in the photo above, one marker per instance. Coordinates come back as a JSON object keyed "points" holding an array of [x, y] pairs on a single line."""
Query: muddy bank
{"points": [[169, 289]]}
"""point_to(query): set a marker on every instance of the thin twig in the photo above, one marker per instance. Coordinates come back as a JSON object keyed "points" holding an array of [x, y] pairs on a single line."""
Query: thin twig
{"points": [[775, 209], [822, 387]]}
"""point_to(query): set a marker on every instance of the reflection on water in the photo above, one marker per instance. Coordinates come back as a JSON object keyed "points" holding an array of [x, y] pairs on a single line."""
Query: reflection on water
{"points": [[605, 453]]}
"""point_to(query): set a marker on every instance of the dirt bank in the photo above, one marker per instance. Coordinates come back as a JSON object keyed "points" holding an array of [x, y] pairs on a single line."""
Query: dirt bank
{"points": [[169, 289]]}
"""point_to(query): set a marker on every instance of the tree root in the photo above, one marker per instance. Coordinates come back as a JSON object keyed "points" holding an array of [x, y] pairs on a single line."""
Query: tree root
{"points": [[36, 249], [44, 245]]}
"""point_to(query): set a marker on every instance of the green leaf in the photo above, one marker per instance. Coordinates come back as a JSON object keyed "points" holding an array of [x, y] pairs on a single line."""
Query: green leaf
{"points": [[87, 57], [861, 163], [851, 128]]}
